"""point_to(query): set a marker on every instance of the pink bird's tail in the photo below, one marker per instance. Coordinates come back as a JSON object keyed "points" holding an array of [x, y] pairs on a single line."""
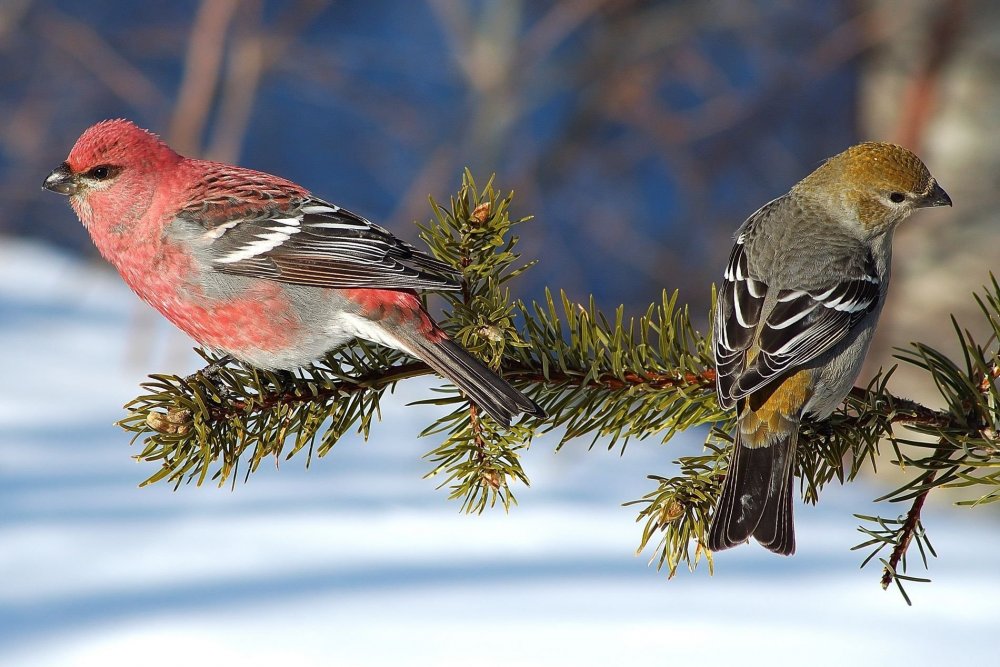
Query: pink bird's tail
{"points": [[485, 388]]}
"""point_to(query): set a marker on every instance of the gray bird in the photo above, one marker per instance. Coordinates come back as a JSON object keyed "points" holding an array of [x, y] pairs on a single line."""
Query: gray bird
{"points": [[803, 290]]}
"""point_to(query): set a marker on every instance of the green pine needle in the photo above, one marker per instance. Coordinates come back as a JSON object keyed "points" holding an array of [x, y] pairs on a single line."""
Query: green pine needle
{"points": [[604, 379]]}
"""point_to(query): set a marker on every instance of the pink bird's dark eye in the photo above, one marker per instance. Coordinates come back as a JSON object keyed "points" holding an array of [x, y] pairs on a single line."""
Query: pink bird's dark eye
{"points": [[103, 172]]}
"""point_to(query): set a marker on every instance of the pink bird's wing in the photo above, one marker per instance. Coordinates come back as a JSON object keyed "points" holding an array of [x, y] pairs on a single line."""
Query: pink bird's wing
{"points": [[311, 242]]}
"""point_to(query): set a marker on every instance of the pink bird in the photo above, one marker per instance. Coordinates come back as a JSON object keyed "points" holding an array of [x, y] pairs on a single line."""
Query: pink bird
{"points": [[253, 265]]}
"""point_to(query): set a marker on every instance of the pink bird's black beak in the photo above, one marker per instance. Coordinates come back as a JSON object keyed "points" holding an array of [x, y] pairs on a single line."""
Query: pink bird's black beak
{"points": [[61, 181]]}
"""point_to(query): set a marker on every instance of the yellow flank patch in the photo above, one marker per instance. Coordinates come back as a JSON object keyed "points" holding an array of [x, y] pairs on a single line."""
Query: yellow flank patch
{"points": [[770, 414]]}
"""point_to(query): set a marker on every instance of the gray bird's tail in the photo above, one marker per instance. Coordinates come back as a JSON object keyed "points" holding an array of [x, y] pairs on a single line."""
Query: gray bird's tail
{"points": [[756, 497], [484, 387]]}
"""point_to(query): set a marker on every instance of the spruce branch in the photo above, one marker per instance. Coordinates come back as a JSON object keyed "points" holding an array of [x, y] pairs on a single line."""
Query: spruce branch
{"points": [[212, 419], [966, 451], [478, 458], [608, 378], [908, 529]]}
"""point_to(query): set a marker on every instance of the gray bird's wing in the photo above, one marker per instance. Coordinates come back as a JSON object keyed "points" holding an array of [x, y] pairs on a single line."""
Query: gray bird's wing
{"points": [[751, 351]]}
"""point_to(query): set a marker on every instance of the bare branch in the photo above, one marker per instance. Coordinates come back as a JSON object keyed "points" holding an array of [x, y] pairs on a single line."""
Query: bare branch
{"points": [[95, 55], [202, 67]]}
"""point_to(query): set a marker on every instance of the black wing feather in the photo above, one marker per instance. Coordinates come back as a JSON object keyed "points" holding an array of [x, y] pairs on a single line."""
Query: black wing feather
{"points": [[806, 323], [322, 245], [737, 314], [803, 324]]}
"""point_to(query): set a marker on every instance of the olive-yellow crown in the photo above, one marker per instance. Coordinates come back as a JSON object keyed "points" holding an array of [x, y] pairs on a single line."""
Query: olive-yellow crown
{"points": [[878, 183]]}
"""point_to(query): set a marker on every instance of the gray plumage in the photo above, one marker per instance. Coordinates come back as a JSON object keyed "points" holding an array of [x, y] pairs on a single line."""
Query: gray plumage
{"points": [[801, 296]]}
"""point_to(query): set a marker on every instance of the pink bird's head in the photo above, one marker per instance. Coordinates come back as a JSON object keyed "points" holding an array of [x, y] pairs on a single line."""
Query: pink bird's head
{"points": [[113, 167]]}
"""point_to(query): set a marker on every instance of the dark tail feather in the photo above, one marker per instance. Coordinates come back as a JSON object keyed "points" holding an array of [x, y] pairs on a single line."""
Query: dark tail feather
{"points": [[776, 530], [756, 498], [486, 389]]}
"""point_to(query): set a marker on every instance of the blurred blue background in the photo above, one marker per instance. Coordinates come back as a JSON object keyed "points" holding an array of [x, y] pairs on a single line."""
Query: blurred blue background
{"points": [[639, 134]]}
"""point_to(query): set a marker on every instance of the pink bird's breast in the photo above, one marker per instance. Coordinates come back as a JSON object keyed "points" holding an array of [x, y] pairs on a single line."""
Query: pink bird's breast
{"points": [[257, 319]]}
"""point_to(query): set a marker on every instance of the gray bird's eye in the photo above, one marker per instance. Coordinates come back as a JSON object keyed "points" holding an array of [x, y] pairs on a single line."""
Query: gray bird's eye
{"points": [[897, 197]]}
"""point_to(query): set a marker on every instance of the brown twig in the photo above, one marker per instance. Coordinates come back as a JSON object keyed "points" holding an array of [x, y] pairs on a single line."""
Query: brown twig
{"points": [[267, 401], [909, 528], [982, 381], [905, 411], [908, 412]]}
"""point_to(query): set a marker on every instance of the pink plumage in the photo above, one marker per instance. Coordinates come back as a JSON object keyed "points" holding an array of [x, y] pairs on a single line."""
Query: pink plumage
{"points": [[255, 266]]}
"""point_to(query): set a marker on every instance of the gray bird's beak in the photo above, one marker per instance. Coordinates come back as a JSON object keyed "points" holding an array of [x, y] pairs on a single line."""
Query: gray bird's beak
{"points": [[61, 181], [936, 197]]}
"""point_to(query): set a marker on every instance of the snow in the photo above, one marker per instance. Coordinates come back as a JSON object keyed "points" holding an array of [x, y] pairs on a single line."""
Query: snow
{"points": [[358, 560]]}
